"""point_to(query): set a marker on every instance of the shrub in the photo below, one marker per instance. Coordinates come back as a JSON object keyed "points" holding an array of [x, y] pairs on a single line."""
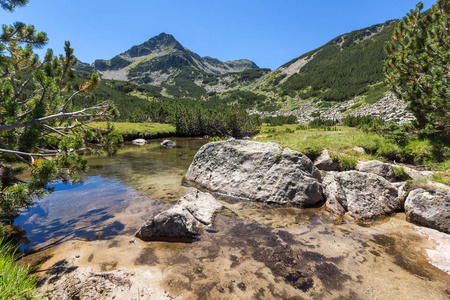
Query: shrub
{"points": [[302, 127], [400, 174], [346, 162], [357, 121], [280, 120], [319, 122]]}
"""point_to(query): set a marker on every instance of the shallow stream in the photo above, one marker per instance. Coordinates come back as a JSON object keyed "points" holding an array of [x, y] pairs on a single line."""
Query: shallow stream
{"points": [[253, 251]]}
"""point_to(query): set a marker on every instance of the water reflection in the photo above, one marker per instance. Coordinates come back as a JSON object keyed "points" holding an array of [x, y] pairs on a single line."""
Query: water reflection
{"points": [[92, 208]]}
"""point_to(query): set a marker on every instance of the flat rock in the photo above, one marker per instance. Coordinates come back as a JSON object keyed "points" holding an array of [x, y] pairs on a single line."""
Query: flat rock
{"points": [[139, 142], [168, 143], [262, 172], [429, 208], [184, 221], [363, 195], [325, 163], [438, 256], [377, 167]]}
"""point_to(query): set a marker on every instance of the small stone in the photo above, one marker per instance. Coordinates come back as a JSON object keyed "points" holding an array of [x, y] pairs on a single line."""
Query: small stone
{"points": [[139, 142], [325, 163], [359, 149], [168, 144]]}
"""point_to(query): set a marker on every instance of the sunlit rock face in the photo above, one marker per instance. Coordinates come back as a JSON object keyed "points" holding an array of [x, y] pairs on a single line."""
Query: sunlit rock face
{"points": [[262, 172], [430, 208], [363, 195], [184, 221]]}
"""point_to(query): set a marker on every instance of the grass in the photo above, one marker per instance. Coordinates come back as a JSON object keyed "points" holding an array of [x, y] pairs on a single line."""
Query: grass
{"points": [[340, 144], [15, 279], [313, 141], [144, 129]]}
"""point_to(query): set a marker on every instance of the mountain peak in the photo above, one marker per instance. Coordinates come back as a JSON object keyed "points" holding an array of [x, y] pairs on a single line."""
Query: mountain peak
{"points": [[158, 43], [163, 54]]}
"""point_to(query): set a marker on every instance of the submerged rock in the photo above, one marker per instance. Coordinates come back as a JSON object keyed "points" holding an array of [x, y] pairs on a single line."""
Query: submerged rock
{"points": [[377, 167], [429, 208], [184, 221], [262, 172], [168, 143], [139, 142], [363, 195]]}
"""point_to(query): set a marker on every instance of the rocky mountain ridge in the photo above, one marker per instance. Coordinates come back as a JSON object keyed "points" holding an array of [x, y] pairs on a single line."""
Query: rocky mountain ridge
{"points": [[159, 59]]}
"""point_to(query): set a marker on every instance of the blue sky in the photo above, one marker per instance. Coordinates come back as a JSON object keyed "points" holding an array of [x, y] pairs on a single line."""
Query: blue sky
{"points": [[268, 32]]}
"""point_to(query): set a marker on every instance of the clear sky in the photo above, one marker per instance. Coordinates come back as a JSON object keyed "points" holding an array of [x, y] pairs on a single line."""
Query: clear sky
{"points": [[268, 32]]}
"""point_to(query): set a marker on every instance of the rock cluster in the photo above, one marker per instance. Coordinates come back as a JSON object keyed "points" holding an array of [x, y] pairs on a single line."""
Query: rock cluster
{"points": [[266, 172], [184, 221], [389, 108]]}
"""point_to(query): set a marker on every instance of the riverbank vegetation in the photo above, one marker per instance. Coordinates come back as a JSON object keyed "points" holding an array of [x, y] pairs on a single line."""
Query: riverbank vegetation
{"points": [[15, 280]]}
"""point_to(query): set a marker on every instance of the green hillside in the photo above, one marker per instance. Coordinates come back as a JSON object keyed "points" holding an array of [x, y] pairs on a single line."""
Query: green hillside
{"points": [[343, 68]]}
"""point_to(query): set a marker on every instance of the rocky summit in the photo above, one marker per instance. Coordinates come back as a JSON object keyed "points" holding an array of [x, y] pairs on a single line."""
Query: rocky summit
{"points": [[159, 59]]}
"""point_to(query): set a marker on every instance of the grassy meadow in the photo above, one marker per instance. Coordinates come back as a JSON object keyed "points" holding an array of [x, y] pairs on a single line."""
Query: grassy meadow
{"points": [[139, 129], [342, 140]]}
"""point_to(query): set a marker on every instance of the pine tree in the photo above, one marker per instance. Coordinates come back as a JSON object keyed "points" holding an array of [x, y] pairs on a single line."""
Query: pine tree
{"points": [[418, 65], [39, 125]]}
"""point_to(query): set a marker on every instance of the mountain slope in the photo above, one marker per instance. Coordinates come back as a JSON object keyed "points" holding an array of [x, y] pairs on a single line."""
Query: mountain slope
{"points": [[341, 69]]}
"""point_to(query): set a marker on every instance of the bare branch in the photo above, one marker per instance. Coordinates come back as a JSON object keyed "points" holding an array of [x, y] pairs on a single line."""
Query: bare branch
{"points": [[15, 154], [22, 87], [80, 113], [70, 99]]}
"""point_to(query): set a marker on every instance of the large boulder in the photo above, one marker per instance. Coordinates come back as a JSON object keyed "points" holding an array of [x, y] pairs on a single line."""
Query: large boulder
{"points": [[377, 167], [184, 221], [429, 208], [257, 171], [363, 195]]}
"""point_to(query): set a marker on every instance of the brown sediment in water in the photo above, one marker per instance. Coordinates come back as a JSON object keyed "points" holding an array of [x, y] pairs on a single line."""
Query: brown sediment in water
{"points": [[243, 259], [253, 251]]}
